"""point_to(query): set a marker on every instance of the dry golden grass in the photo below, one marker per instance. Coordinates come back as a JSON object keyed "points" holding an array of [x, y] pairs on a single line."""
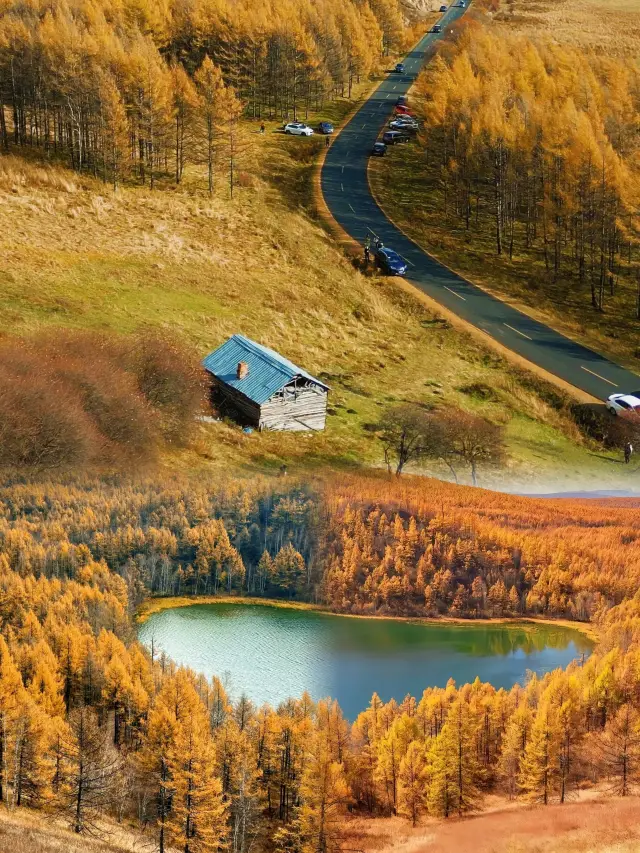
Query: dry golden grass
{"points": [[588, 826], [23, 831], [76, 254], [608, 26]]}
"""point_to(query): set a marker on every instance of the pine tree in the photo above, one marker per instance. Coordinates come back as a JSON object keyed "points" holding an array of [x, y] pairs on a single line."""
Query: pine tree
{"points": [[413, 784]]}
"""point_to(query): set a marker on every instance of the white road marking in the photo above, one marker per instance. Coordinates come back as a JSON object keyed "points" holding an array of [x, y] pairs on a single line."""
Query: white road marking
{"points": [[411, 264], [352, 210], [365, 124], [598, 375], [517, 331], [341, 188], [454, 293]]}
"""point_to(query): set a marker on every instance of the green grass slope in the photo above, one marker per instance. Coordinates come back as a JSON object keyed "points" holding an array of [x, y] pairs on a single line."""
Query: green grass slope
{"points": [[261, 264]]}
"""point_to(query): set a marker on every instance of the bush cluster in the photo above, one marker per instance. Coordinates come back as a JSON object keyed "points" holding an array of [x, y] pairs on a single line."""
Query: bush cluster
{"points": [[76, 398]]}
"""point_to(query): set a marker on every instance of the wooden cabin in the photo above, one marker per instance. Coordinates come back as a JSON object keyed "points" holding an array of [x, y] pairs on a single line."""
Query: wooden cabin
{"points": [[258, 387]]}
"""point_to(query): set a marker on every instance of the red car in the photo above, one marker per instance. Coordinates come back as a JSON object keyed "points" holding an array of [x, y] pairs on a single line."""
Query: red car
{"points": [[401, 110]]}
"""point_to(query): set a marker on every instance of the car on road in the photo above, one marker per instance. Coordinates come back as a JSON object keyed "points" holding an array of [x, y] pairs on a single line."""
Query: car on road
{"points": [[325, 127], [460, 5], [402, 110], [401, 101], [436, 28], [404, 126], [390, 262], [443, 8], [298, 128], [624, 403], [394, 137], [379, 149], [400, 68]]}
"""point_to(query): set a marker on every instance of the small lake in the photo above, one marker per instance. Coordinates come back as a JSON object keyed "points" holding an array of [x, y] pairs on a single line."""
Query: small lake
{"points": [[272, 653]]}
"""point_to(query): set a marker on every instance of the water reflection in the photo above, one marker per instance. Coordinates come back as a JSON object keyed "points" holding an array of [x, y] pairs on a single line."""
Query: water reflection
{"points": [[273, 653]]}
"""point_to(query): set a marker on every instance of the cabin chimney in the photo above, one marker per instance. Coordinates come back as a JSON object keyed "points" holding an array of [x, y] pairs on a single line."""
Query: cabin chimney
{"points": [[242, 370]]}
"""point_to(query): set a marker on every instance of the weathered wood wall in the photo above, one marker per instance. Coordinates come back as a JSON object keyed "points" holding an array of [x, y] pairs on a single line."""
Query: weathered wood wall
{"points": [[306, 409], [295, 407]]}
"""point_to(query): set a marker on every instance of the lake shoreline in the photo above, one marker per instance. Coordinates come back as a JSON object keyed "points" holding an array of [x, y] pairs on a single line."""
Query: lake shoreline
{"points": [[156, 604]]}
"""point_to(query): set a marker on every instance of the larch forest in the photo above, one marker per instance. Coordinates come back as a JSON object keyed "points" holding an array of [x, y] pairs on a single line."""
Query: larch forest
{"points": [[531, 142]]}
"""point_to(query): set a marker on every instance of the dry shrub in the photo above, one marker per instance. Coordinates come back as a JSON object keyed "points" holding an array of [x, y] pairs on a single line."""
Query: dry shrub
{"points": [[70, 399], [41, 424], [246, 180], [304, 149], [172, 380]]}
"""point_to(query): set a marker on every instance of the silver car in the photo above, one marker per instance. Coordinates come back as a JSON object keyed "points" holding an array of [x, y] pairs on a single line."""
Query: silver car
{"points": [[623, 403], [298, 128]]}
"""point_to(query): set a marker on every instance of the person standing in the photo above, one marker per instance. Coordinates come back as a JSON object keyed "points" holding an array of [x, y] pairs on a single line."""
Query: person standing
{"points": [[327, 142], [261, 127], [628, 450]]}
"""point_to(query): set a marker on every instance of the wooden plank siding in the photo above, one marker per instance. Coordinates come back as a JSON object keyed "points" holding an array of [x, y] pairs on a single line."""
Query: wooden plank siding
{"points": [[298, 408], [299, 405]]}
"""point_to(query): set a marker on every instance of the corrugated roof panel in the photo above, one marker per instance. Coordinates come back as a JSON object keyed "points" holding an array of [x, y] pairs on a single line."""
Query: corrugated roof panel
{"points": [[268, 370]]}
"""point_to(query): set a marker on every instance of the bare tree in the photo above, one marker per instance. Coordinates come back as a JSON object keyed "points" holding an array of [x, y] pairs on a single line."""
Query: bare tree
{"points": [[92, 773], [409, 433], [472, 439]]}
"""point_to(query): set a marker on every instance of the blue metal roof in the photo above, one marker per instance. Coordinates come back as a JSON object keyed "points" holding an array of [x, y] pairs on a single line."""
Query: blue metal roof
{"points": [[268, 371]]}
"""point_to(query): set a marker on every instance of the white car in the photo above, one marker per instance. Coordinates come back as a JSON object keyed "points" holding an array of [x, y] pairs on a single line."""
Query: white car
{"points": [[298, 128], [619, 403]]}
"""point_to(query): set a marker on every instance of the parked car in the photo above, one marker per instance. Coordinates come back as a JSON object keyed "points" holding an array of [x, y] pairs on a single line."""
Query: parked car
{"points": [[436, 28], [390, 262], [402, 110], [394, 137], [401, 101], [325, 127], [379, 149], [298, 128], [460, 5], [404, 119], [404, 126], [443, 8], [400, 68], [620, 403]]}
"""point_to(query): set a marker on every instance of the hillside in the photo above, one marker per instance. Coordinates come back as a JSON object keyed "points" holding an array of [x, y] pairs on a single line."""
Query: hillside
{"points": [[203, 269], [588, 826], [611, 27], [592, 826]]}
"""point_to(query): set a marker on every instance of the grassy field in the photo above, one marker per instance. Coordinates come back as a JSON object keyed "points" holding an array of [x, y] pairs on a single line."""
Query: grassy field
{"points": [[261, 264], [584, 825], [608, 26], [588, 825]]}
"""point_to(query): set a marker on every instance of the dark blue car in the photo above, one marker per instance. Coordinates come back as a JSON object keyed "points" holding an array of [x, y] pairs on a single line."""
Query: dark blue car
{"points": [[325, 127], [390, 262]]}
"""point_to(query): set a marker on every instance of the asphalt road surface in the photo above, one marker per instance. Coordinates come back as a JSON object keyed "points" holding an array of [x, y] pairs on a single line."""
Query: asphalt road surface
{"points": [[346, 192]]}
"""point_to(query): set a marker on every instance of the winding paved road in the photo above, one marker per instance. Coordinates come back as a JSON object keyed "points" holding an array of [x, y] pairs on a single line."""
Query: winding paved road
{"points": [[347, 194]]}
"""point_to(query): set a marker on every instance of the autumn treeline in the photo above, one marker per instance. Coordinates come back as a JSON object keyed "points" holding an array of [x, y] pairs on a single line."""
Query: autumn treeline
{"points": [[94, 727], [146, 88], [434, 549], [362, 545], [536, 144]]}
